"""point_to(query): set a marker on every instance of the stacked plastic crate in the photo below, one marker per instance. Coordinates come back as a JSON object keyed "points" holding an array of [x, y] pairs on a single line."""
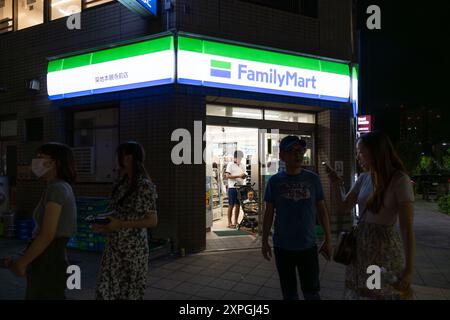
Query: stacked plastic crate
{"points": [[86, 239]]}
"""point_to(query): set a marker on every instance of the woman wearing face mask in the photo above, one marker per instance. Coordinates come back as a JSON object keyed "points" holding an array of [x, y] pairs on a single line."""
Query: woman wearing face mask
{"points": [[43, 262], [124, 266], [384, 195]]}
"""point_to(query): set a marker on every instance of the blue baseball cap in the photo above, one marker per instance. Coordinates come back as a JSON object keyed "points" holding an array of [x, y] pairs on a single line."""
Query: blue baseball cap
{"points": [[288, 142]]}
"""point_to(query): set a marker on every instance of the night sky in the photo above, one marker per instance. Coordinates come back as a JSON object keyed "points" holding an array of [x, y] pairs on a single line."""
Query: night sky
{"points": [[408, 60]]}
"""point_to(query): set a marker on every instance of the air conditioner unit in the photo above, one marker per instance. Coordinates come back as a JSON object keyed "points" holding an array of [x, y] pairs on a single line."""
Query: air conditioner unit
{"points": [[84, 162]]}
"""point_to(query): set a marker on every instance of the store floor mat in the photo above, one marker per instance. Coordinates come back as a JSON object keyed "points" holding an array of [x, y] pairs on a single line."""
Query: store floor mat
{"points": [[231, 232]]}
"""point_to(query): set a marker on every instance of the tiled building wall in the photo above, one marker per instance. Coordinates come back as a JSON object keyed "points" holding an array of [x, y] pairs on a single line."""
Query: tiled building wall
{"points": [[181, 188], [327, 35], [23, 56], [151, 120], [335, 143]]}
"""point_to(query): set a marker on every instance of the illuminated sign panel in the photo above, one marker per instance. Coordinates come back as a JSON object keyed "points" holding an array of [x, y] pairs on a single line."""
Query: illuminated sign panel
{"points": [[146, 8], [215, 64], [137, 65], [203, 63], [364, 124]]}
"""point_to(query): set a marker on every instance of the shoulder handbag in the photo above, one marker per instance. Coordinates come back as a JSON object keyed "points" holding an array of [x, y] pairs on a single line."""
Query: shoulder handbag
{"points": [[346, 248], [345, 251]]}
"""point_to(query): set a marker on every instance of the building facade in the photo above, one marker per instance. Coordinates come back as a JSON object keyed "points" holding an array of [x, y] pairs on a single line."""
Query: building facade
{"points": [[42, 61]]}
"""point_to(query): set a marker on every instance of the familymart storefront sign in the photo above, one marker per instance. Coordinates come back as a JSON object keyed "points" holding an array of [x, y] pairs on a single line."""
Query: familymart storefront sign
{"points": [[198, 62], [138, 65], [215, 64]]}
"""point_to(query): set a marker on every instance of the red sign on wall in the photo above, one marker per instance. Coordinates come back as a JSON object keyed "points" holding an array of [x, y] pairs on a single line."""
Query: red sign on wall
{"points": [[364, 124]]}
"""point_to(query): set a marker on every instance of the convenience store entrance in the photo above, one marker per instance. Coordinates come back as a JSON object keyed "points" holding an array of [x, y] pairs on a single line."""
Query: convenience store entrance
{"points": [[259, 145]]}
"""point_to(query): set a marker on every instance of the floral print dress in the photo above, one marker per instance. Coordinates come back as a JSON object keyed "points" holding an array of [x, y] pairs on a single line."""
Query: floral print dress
{"points": [[124, 265]]}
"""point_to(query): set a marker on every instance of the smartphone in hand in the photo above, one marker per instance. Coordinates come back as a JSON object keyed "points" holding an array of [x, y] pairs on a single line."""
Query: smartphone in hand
{"points": [[326, 165], [102, 220]]}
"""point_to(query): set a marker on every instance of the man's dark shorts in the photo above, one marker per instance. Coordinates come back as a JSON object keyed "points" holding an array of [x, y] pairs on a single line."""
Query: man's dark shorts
{"points": [[233, 197]]}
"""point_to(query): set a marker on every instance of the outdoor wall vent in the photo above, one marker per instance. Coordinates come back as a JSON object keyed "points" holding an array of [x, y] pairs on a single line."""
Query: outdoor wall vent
{"points": [[84, 162]]}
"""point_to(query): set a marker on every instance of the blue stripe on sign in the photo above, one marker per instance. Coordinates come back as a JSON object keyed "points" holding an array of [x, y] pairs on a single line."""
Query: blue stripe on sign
{"points": [[135, 85], [112, 89], [190, 81], [273, 91], [220, 73]]}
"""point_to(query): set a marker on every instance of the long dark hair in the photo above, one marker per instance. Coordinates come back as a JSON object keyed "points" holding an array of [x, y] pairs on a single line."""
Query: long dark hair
{"points": [[63, 156], [137, 151], [385, 163]]}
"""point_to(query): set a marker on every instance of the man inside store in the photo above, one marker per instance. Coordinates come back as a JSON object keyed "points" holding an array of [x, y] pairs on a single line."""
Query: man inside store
{"points": [[235, 173]]}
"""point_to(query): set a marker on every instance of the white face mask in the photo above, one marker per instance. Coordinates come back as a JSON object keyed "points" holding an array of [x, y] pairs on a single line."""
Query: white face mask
{"points": [[38, 167]]}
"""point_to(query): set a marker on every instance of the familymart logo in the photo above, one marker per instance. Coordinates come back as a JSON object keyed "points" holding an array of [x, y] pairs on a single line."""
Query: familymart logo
{"points": [[272, 76], [221, 69]]}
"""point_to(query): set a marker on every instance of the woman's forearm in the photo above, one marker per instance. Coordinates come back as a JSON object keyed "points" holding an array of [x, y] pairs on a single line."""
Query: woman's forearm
{"points": [[39, 244], [409, 243], [149, 222], [406, 218], [342, 196]]}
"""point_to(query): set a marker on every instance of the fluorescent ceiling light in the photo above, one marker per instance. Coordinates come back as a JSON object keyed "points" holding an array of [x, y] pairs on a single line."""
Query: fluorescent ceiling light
{"points": [[54, 4]]}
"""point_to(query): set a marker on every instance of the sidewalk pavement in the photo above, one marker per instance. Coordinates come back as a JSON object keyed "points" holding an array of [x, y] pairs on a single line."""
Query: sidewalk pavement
{"points": [[245, 275]]}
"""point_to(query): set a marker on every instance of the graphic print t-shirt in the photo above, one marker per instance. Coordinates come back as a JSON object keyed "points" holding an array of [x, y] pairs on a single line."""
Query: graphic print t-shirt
{"points": [[294, 198]]}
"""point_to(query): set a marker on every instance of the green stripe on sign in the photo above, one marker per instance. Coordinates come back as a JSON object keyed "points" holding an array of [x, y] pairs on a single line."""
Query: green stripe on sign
{"points": [[188, 44], [122, 52], [55, 65], [258, 55], [77, 61], [220, 64], [334, 67], [355, 72]]}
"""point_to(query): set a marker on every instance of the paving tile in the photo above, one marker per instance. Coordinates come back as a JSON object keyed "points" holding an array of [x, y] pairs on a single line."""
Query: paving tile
{"points": [[160, 272], [211, 293], [259, 298], [246, 288], [201, 279], [426, 290], [256, 280], [420, 296], [215, 273], [436, 282], [271, 293], [332, 294], [197, 298], [263, 272], [222, 284], [233, 276], [188, 288], [171, 295], [165, 284], [241, 269], [180, 276], [233, 295], [85, 294], [174, 266], [151, 280], [154, 294], [193, 269], [272, 283], [335, 285], [252, 263]]}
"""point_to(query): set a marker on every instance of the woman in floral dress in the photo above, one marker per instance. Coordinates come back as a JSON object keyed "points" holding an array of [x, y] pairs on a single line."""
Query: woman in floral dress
{"points": [[385, 196], [124, 265]]}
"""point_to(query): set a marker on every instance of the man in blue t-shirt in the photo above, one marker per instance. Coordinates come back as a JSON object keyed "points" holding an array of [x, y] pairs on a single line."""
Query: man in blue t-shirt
{"points": [[295, 195]]}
